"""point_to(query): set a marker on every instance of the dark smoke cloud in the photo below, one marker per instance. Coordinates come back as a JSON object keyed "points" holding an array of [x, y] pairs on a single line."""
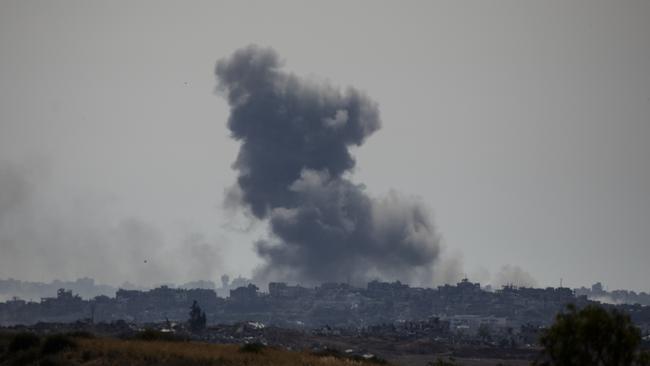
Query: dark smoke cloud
{"points": [[295, 137]]}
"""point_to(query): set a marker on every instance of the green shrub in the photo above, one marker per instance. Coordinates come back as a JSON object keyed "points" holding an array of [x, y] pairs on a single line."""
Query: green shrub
{"points": [[87, 355], [252, 348], [24, 357], [23, 341], [54, 360], [593, 335], [5, 339], [57, 343], [328, 352], [80, 334]]}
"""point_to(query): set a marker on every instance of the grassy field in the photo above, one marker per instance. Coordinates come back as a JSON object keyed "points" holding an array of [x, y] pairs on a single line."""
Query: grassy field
{"points": [[83, 350]]}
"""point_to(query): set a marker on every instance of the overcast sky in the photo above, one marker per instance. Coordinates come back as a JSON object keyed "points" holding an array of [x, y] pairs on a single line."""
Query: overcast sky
{"points": [[522, 125]]}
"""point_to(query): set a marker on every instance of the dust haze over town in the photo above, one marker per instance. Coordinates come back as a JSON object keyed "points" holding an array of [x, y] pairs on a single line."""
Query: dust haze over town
{"points": [[425, 142]]}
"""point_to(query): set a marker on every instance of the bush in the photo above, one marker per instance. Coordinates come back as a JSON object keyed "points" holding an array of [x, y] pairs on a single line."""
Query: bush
{"points": [[22, 358], [88, 355], [57, 343], [5, 339], [328, 352], [644, 359], [54, 361], [151, 335], [252, 348], [591, 336], [23, 341], [80, 334]]}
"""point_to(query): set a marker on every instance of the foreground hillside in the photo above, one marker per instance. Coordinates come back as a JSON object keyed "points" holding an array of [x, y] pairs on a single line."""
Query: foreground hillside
{"points": [[59, 350]]}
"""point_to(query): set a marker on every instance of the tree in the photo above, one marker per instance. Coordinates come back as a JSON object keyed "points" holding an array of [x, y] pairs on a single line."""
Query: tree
{"points": [[197, 317], [591, 336], [484, 332]]}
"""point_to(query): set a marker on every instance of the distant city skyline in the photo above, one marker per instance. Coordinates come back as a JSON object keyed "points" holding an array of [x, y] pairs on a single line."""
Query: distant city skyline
{"points": [[87, 288]]}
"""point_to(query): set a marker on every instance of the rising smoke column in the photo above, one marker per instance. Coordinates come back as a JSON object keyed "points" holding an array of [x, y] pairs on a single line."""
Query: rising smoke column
{"points": [[295, 136]]}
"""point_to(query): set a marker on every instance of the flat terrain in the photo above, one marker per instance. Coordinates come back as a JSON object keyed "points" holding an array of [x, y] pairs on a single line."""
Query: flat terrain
{"points": [[109, 352], [425, 360], [157, 348]]}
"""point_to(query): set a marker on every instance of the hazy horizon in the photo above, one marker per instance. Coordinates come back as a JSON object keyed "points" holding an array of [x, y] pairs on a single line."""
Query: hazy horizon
{"points": [[521, 128]]}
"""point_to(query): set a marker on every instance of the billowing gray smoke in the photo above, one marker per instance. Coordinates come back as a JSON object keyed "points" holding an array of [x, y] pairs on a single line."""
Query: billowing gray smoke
{"points": [[295, 137]]}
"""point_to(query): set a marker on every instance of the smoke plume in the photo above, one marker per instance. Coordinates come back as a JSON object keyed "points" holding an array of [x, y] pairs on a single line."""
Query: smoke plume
{"points": [[511, 275], [48, 233], [295, 137]]}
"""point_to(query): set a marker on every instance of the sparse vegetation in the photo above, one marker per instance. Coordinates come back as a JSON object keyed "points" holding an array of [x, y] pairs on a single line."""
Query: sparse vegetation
{"points": [[252, 348], [57, 343], [156, 335], [371, 360], [328, 352], [23, 342], [332, 353], [441, 362], [80, 334], [66, 350]]}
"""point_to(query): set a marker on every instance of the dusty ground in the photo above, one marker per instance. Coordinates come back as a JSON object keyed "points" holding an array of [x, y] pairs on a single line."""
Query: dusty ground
{"points": [[423, 360]]}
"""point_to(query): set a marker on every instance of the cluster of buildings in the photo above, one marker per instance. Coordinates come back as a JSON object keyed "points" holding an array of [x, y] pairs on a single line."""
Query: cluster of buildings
{"points": [[597, 292], [390, 312], [465, 305], [381, 318]]}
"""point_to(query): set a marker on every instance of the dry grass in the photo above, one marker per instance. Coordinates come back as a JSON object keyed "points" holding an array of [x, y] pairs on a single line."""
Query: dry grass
{"points": [[133, 352], [71, 350]]}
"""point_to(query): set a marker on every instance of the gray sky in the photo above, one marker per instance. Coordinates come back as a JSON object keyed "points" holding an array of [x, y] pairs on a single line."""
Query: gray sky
{"points": [[523, 126]]}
